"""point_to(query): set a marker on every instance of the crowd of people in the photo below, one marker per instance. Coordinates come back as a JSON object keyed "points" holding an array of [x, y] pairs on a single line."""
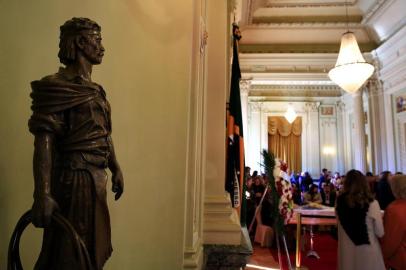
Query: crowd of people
{"points": [[371, 213]]}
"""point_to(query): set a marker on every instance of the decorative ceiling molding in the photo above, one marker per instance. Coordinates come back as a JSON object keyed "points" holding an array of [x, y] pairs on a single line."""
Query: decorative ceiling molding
{"points": [[307, 11], [288, 78], [385, 17], [291, 62], [301, 70], [296, 35], [307, 3], [258, 87], [373, 9], [292, 82], [301, 48], [294, 25], [307, 19], [287, 69], [273, 78], [292, 99], [378, 21], [295, 90], [311, 59]]}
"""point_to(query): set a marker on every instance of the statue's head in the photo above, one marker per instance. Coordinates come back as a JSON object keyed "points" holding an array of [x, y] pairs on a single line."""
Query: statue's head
{"points": [[80, 36]]}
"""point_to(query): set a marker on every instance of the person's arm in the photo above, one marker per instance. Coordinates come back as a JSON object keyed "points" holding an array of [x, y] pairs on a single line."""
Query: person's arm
{"points": [[44, 205], [117, 177], [306, 198], [317, 198], [392, 239]]}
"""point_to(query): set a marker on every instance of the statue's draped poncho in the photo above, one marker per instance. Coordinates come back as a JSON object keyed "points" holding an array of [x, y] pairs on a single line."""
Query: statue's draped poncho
{"points": [[76, 113]]}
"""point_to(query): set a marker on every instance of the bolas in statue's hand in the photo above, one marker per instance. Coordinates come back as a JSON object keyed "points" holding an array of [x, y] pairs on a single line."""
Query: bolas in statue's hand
{"points": [[42, 210]]}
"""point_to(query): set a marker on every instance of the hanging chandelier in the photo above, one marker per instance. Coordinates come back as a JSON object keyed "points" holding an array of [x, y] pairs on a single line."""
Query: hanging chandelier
{"points": [[351, 70], [290, 114]]}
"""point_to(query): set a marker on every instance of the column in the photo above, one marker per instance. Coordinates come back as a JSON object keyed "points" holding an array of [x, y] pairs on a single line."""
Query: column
{"points": [[390, 137], [253, 146], [375, 104], [341, 146], [313, 144], [360, 161], [221, 221], [245, 86]]}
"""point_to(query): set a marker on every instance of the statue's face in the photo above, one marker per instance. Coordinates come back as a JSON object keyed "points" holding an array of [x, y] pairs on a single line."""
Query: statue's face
{"points": [[93, 49]]}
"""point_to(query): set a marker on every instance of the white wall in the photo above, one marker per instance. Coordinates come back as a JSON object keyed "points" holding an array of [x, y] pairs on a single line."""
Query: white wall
{"points": [[318, 132], [392, 72], [329, 141]]}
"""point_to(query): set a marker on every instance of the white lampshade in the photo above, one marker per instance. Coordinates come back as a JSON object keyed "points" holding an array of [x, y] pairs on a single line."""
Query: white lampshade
{"points": [[290, 115], [351, 69]]}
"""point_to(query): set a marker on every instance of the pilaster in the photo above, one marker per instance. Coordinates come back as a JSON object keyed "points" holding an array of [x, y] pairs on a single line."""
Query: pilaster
{"points": [[359, 140], [195, 174], [375, 104], [245, 86], [221, 224], [253, 152], [313, 143], [341, 146], [390, 136]]}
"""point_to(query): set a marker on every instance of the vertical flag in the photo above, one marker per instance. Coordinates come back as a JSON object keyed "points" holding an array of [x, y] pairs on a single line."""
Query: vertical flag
{"points": [[235, 142]]}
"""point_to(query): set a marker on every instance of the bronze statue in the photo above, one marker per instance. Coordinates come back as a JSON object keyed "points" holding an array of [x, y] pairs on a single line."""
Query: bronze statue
{"points": [[72, 127]]}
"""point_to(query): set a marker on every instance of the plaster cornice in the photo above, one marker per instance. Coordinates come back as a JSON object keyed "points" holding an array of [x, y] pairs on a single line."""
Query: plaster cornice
{"points": [[292, 100], [307, 3], [282, 65], [301, 48], [376, 10], [295, 90], [308, 19], [309, 24], [280, 78]]}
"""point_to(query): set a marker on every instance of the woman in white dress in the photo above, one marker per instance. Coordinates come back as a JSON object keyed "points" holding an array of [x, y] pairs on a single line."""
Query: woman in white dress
{"points": [[360, 225]]}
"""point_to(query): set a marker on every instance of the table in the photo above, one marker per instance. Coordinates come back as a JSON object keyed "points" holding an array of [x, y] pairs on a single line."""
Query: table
{"points": [[310, 216]]}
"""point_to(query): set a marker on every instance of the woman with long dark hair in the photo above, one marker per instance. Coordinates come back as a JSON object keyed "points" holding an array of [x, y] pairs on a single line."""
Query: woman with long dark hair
{"points": [[360, 225]]}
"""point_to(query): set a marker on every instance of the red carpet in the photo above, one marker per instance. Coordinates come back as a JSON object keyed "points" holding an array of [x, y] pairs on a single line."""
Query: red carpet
{"points": [[325, 245]]}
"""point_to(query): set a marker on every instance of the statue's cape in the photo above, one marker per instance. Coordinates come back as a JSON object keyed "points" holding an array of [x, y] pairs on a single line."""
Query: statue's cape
{"points": [[50, 96]]}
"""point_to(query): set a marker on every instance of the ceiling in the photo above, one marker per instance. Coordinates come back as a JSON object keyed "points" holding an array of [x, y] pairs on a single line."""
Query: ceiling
{"points": [[297, 41]]}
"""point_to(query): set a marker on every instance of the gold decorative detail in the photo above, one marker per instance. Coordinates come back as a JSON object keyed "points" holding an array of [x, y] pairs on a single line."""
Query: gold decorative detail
{"points": [[284, 128]]}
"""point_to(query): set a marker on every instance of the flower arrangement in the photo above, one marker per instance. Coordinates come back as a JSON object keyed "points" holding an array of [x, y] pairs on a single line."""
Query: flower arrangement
{"points": [[280, 188]]}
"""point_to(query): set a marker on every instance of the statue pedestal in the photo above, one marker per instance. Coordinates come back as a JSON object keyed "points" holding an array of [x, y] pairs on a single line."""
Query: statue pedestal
{"points": [[230, 257]]}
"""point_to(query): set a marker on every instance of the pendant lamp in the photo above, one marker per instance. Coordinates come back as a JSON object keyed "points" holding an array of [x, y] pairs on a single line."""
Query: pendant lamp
{"points": [[290, 114], [351, 70]]}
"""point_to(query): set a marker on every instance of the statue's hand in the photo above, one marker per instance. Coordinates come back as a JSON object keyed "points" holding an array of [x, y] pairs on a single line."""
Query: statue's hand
{"points": [[118, 184], [42, 210]]}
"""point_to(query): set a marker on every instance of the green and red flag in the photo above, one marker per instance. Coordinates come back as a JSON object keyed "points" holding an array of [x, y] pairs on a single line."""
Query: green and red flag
{"points": [[235, 141]]}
